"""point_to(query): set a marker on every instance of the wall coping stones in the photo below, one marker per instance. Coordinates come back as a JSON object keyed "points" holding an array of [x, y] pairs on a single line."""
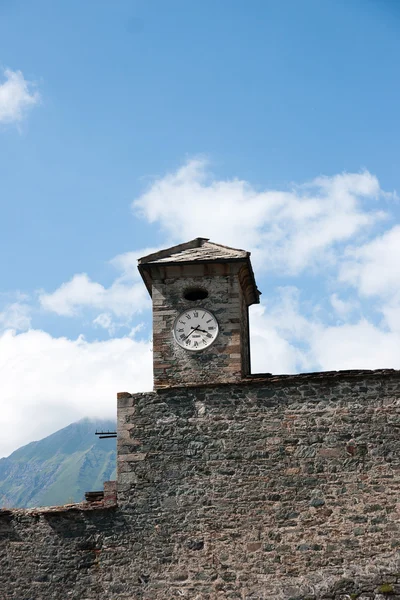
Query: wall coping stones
{"points": [[295, 378], [6, 513]]}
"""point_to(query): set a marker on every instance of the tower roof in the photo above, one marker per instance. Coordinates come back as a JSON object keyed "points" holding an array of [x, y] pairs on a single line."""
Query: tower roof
{"points": [[197, 251]]}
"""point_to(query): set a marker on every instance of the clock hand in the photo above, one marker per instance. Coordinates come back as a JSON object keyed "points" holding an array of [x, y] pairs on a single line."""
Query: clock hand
{"points": [[194, 329], [197, 328]]}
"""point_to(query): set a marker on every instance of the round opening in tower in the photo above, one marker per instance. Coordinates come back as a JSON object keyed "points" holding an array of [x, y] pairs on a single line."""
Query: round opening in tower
{"points": [[194, 294]]}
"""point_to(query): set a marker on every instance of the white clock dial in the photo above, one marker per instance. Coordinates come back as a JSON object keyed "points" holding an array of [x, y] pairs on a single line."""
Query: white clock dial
{"points": [[195, 329]]}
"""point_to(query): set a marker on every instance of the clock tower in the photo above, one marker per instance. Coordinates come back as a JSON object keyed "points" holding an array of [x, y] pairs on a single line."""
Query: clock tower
{"points": [[201, 293]]}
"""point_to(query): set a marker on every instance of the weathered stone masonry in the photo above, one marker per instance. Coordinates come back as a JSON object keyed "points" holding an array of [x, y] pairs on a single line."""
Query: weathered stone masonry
{"points": [[230, 486], [226, 277], [275, 487]]}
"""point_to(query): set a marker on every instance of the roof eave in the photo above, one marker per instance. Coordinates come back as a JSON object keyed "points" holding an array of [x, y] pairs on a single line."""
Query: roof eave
{"points": [[160, 254], [145, 268]]}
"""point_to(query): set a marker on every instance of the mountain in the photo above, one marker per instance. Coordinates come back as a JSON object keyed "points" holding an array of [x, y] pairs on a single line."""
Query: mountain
{"points": [[59, 468]]}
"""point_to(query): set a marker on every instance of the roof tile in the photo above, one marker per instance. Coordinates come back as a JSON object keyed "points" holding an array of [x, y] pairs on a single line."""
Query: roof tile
{"points": [[199, 249]]}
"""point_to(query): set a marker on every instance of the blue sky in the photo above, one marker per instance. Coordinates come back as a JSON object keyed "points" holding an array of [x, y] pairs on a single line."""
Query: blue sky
{"points": [[132, 125]]}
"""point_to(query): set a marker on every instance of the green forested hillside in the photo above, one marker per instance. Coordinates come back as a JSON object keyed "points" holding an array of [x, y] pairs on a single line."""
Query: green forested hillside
{"points": [[60, 468]]}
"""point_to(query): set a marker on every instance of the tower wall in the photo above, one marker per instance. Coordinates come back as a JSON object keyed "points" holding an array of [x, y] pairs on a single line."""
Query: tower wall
{"points": [[227, 359]]}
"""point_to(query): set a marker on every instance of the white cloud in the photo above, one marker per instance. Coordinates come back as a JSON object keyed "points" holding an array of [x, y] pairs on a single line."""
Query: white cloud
{"points": [[127, 263], [280, 334], [120, 298], [287, 231], [391, 313], [105, 321], [16, 96], [284, 340], [15, 316], [47, 382], [341, 307], [124, 298], [345, 185], [356, 346], [374, 268], [273, 347], [134, 330]]}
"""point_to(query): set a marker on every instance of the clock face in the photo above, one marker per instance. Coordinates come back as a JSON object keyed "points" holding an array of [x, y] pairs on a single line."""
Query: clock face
{"points": [[195, 329]]}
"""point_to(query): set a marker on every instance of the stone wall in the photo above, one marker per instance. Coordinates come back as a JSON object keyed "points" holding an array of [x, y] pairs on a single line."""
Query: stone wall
{"points": [[276, 488], [244, 335], [243, 488], [228, 357], [60, 553]]}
